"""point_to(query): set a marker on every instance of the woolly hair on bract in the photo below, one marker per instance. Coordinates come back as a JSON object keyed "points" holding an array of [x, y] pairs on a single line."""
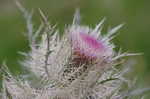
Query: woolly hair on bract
{"points": [[78, 65]]}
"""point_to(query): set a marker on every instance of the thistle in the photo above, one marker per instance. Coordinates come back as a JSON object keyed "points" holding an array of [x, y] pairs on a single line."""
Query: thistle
{"points": [[78, 65]]}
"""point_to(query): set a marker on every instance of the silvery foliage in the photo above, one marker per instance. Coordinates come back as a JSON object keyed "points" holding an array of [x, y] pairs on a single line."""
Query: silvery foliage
{"points": [[55, 75]]}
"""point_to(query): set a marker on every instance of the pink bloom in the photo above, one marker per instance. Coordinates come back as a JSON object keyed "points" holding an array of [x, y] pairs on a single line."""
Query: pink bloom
{"points": [[87, 46]]}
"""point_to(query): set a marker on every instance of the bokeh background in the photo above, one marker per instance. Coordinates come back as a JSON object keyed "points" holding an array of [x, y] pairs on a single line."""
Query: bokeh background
{"points": [[133, 37]]}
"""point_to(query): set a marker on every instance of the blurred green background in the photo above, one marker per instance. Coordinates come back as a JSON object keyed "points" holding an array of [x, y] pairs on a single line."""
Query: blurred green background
{"points": [[133, 37]]}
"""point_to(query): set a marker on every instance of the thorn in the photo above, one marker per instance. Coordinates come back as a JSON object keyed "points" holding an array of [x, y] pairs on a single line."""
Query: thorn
{"points": [[100, 24], [98, 28], [44, 18], [114, 30], [126, 54], [77, 17]]}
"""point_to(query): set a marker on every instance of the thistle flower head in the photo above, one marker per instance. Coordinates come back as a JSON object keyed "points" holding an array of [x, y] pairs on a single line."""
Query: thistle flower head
{"points": [[67, 68], [89, 46]]}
